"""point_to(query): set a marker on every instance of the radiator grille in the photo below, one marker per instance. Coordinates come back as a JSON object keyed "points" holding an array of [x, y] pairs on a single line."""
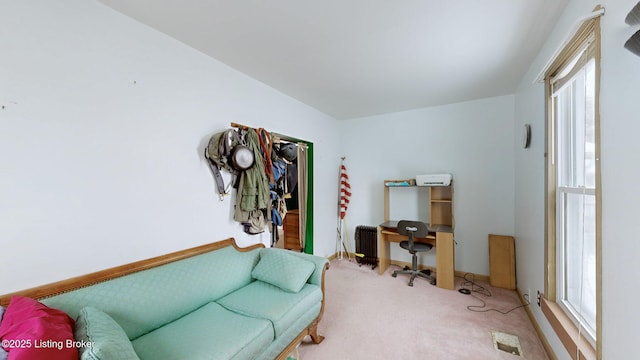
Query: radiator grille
{"points": [[367, 244]]}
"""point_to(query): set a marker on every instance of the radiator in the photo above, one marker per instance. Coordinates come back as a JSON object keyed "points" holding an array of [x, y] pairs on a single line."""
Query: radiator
{"points": [[367, 244]]}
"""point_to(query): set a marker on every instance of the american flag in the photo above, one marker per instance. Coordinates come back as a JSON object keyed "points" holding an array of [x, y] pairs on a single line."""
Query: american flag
{"points": [[345, 191]]}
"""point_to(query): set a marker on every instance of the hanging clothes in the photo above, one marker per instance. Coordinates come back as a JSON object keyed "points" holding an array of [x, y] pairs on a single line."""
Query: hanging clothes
{"points": [[253, 200], [255, 190]]}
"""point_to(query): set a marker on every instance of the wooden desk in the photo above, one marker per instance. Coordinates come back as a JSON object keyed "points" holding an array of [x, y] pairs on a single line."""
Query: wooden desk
{"points": [[441, 237]]}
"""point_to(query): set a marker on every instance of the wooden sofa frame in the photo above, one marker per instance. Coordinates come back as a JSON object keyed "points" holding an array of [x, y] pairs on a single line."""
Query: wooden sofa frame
{"points": [[59, 287]]}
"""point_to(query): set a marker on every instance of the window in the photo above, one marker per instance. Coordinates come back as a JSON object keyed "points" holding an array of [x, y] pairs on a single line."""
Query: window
{"points": [[573, 194], [575, 197]]}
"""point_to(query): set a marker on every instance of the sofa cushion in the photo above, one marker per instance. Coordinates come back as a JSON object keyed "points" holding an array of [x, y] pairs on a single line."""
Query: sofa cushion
{"points": [[107, 339], [281, 307], [210, 332], [36, 331], [277, 267], [284, 339]]}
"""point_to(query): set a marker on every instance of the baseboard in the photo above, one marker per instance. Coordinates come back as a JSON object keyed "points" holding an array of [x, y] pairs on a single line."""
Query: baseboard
{"points": [[457, 273], [534, 322], [346, 255], [465, 274], [461, 274]]}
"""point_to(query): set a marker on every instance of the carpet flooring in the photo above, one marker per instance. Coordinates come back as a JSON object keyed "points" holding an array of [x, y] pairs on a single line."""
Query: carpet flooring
{"points": [[371, 316]]}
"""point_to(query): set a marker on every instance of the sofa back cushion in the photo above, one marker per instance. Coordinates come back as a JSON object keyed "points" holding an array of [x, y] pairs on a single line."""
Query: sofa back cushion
{"points": [[144, 301], [106, 338], [278, 267]]}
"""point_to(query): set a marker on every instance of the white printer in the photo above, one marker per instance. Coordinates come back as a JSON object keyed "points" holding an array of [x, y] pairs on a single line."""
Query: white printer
{"points": [[433, 180]]}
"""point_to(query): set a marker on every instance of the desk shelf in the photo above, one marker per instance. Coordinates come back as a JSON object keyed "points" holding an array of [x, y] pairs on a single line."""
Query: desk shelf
{"points": [[440, 201], [440, 231], [441, 205], [430, 236]]}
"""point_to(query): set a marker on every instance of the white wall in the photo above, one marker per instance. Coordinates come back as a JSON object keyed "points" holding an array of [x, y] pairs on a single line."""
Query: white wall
{"points": [[104, 122], [620, 94], [101, 140], [471, 140]]}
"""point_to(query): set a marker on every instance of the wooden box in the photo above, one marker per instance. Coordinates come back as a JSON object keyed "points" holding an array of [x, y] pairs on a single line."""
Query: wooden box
{"points": [[291, 229], [502, 261]]}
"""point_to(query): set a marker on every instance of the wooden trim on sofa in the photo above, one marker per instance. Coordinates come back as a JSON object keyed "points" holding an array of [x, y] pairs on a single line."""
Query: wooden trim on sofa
{"points": [[59, 287], [311, 330]]}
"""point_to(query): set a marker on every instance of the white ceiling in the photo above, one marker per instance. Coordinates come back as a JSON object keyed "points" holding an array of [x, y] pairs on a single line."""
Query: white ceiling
{"points": [[353, 58]]}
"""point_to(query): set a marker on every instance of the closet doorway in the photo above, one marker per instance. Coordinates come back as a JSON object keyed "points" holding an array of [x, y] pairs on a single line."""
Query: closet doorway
{"points": [[296, 232]]}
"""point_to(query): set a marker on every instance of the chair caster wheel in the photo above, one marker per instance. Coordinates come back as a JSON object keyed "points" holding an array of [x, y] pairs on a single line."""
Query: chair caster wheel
{"points": [[411, 284], [394, 275], [406, 268]]}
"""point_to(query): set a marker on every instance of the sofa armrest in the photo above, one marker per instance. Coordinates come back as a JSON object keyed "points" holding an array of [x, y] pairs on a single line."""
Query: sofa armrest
{"points": [[320, 262]]}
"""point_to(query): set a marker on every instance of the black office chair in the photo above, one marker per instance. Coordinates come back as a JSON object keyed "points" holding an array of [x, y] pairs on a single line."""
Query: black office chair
{"points": [[414, 229]]}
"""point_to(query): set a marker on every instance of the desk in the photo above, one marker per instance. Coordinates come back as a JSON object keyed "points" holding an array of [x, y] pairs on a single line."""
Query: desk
{"points": [[440, 236]]}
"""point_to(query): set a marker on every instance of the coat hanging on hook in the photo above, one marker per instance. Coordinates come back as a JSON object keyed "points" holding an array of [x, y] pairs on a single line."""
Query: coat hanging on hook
{"points": [[633, 44], [227, 150], [633, 18]]}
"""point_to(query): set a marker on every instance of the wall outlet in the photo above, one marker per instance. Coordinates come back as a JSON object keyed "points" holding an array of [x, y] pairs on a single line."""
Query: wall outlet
{"points": [[538, 297]]}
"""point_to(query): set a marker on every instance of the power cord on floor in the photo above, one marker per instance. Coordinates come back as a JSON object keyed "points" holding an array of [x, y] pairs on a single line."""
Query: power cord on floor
{"points": [[475, 288]]}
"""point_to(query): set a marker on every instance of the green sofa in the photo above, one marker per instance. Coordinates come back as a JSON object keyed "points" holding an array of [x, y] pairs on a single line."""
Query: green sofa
{"points": [[216, 301]]}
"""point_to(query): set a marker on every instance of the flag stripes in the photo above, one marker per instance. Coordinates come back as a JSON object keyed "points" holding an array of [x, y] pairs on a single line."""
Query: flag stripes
{"points": [[345, 191]]}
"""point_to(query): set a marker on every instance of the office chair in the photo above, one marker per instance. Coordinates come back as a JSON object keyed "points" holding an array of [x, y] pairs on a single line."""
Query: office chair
{"points": [[414, 229]]}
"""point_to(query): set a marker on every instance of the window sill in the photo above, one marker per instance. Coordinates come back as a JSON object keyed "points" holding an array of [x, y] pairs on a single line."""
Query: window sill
{"points": [[575, 343]]}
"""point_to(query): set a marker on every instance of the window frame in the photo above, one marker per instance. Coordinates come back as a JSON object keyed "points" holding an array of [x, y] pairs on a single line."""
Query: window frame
{"points": [[578, 346]]}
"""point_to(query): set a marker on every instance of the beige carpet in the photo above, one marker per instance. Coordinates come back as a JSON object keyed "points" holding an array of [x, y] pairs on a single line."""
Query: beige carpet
{"points": [[371, 316]]}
